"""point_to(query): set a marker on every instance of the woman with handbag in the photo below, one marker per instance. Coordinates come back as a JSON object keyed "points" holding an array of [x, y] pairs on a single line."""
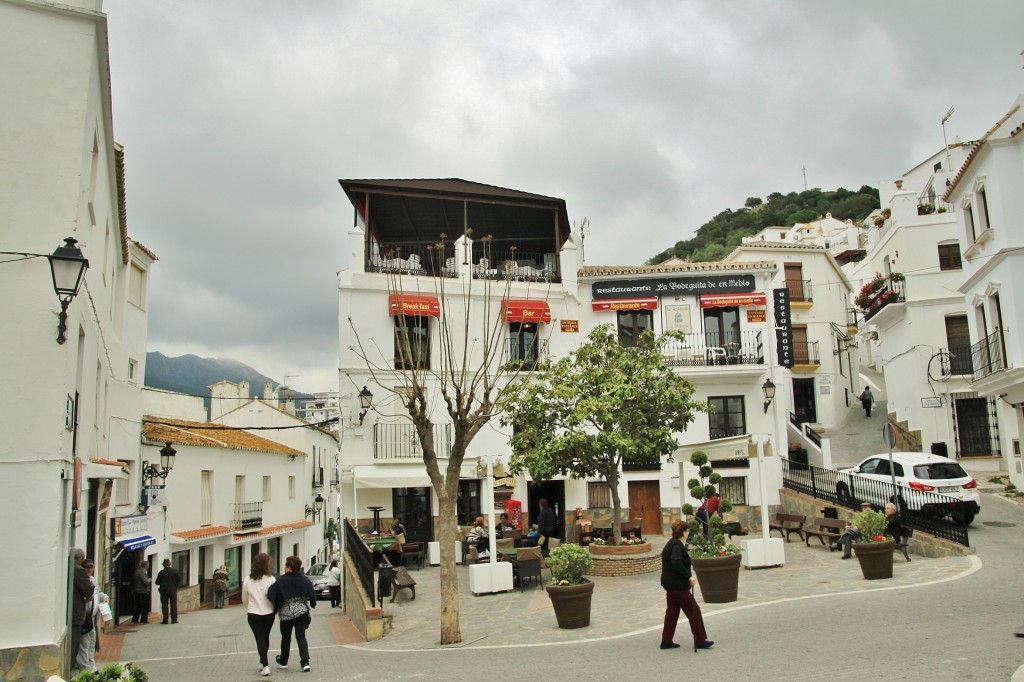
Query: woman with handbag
{"points": [[220, 586], [334, 583], [293, 597]]}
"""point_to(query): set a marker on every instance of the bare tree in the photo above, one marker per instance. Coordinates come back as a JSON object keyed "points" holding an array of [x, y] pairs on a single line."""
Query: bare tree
{"points": [[473, 378]]}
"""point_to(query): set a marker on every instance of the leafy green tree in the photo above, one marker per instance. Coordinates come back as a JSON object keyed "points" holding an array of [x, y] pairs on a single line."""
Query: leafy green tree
{"points": [[753, 202], [598, 407]]}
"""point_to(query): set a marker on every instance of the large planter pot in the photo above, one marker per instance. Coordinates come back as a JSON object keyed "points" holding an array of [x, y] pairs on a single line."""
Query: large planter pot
{"points": [[619, 550], [719, 577], [875, 558], [571, 604]]}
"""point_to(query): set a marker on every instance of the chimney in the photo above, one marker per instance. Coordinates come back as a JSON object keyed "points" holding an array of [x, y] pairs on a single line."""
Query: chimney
{"points": [[268, 391]]}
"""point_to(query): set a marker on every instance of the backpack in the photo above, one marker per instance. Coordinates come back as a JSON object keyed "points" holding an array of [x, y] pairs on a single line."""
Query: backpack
{"points": [[293, 609]]}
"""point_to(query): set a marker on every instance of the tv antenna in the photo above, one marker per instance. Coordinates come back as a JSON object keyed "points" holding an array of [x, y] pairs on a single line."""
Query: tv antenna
{"points": [[946, 144], [804, 171]]}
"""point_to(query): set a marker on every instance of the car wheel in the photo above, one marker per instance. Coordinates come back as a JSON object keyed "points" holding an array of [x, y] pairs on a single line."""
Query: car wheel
{"points": [[843, 493]]}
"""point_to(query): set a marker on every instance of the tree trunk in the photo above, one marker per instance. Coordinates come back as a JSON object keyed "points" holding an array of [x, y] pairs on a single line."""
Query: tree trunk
{"points": [[446, 535], [612, 479]]}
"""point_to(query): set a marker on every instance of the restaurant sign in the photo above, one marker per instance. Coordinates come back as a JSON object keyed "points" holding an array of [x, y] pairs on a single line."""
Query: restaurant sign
{"points": [[672, 286]]}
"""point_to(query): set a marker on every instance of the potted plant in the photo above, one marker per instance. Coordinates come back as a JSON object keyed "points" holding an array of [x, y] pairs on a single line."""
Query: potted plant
{"points": [[873, 549], [715, 561], [569, 591]]}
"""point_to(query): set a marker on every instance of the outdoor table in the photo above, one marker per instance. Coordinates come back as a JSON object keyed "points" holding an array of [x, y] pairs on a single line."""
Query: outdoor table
{"points": [[509, 553], [380, 543], [376, 517]]}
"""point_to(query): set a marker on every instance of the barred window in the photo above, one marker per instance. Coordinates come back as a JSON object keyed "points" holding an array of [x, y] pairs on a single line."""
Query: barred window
{"points": [[734, 489], [598, 494]]}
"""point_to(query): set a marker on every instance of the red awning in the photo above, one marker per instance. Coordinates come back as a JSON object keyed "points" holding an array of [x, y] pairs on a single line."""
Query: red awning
{"points": [[414, 304], [724, 300], [525, 311], [625, 304]]}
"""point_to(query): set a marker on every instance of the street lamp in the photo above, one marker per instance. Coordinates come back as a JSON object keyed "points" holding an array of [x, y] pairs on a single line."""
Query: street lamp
{"points": [[167, 454], [67, 267], [314, 511], [365, 402], [769, 393]]}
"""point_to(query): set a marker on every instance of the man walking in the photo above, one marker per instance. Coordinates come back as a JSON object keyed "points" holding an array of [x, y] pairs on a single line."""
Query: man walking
{"points": [[866, 398], [81, 593], [168, 581], [140, 588]]}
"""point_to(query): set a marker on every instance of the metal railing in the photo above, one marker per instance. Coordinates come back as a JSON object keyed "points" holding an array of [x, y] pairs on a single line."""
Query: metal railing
{"points": [[246, 515], [522, 356], [400, 441], [939, 515], [853, 317], [362, 559], [987, 355], [956, 360], [892, 292], [703, 349], [799, 290], [728, 432], [806, 353], [812, 435]]}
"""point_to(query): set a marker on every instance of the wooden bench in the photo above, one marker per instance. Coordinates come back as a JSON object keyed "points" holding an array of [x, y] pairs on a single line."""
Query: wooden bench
{"points": [[901, 543], [401, 579], [787, 524], [825, 529]]}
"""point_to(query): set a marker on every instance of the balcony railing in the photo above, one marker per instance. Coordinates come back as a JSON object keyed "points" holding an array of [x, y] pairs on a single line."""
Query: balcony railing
{"points": [[799, 290], [522, 356], [727, 432], [400, 441], [423, 259], [247, 515], [711, 348], [890, 292], [956, 361], [987, 355], [806, 353]]}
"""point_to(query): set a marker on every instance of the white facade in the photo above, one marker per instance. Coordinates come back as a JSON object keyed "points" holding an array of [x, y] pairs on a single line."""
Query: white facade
{"points": [[990, 212], [61, 176]]}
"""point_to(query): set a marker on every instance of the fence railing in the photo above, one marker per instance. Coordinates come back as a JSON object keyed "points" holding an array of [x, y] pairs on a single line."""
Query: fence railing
{"points": [[939, 515], [956, 361], [523, 354], [362, 559], [987, 355], [703, 349], [799, 290], [892, 292], [806, 353], [400, 441], [246, 515]]}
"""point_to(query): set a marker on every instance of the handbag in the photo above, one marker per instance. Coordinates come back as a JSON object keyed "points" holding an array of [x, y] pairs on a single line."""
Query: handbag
{"points": [[294, 608]]}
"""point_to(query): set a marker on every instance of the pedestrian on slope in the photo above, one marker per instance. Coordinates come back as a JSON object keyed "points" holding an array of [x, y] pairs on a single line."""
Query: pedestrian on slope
{"points": [[140, 588], [678, 582], [259, 610], [866, 398], [220, 586], [89, 645], [545, 523], [81, 600], [293, 596], [334, 583], [168, 580]]}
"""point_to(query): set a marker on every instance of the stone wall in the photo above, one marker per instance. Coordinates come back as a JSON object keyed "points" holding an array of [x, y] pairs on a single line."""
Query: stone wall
{"points": [[188, 598], [32, 663], [363, 614], [628, 565]]}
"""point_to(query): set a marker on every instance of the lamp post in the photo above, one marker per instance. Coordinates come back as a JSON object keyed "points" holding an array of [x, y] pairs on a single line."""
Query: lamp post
{"points": [[318, 505], [167, 454], [768, 388], [365, 403], [67, 267]]}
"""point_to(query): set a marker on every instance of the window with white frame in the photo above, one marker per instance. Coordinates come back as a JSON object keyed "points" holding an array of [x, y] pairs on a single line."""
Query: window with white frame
{"points": [[598, 494], [986, 224], [266, 488], [206, 498], [133, 370], [291, 487], [412, 342], [949, 256], [137, 286], [121, 486], [734, 489]]}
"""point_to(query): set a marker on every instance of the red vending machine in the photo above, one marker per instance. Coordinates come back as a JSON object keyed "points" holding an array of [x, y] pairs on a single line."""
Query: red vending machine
{"points": [[514, 509]]}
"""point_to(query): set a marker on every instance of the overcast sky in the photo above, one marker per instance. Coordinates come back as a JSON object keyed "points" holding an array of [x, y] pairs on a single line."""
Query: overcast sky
{"points": [[648, 118]]}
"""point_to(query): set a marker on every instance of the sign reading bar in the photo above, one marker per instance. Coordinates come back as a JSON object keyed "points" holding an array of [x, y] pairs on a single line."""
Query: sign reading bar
{"points": [[639, 288], [571, 326]]}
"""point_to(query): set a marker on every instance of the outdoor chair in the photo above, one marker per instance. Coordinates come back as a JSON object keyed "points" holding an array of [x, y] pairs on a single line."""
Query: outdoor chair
{"points": [[412, 552], [504, 543], [515, 535], [528, 565]]}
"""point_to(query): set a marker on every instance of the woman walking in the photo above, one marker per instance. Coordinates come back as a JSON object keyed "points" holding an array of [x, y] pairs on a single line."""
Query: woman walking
{"points": [[220, 586], [293, 597], [334, 583], [677, 581], [259, 608]]}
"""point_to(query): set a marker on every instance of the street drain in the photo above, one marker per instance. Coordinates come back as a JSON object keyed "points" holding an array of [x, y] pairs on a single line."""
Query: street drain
{"points": [[999, 524]]}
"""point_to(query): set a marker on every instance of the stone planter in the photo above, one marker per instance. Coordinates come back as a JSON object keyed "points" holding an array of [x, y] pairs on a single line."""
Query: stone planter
{"points": [[718, 577], [571, 604], [875, 558], [618, 550]]}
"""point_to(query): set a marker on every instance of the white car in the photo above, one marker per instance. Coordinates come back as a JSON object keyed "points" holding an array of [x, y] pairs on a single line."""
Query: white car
{"points": [[930, 480]]}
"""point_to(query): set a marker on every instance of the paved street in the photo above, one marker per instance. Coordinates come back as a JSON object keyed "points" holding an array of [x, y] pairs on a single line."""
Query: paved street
{"points": [[813, 619]]}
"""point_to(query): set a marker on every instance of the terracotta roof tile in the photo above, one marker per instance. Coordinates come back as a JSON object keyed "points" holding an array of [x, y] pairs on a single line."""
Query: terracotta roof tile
{"points": [[204, 434], [197, 533], [762, 244], [270, 530], [601, 270], [974, 152]]}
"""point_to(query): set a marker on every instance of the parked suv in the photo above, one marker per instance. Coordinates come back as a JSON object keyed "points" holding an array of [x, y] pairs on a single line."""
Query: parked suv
{"points": [[927, 479]]}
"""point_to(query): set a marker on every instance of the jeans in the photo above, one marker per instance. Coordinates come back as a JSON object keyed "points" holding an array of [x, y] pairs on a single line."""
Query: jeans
{"points": [[299, 625], [261, 626], [218, 599], [682, 600], [169, 599]]}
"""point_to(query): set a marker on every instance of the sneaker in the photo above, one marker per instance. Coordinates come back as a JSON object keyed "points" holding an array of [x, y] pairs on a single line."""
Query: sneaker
{"points": [[305, 668], [266, 671], [486, 554], [282, 666]]}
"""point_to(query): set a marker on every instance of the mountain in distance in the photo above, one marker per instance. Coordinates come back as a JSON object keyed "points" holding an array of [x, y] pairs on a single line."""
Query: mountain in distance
{"points": [[193, 375]]}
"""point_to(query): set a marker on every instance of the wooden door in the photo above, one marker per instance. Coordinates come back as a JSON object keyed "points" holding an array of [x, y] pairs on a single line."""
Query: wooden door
{"points": [[645, 503]]}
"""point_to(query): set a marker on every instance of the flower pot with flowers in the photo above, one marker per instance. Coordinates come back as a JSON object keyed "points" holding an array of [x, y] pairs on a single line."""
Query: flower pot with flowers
{"points": [[569, 591], [715, 561], [873, 548]]}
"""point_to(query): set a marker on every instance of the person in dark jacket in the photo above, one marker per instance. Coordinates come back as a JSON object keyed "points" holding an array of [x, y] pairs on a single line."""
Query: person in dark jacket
{"points": [[81, 595], [293, 592], [545, 522], [140, 588], [168, 580], [677, 581]]}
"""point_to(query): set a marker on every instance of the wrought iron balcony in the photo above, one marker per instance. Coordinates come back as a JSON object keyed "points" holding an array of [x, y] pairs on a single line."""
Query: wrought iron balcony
{"points": [[799, 290], [956, 361], [522, 355], [806, 353], [711, 348], [247, 515], [987, 355], [889, 291], [400, 441]]}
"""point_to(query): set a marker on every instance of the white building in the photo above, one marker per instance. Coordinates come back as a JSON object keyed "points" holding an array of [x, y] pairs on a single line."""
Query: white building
{"points": [[990, 211], [73, 410]]}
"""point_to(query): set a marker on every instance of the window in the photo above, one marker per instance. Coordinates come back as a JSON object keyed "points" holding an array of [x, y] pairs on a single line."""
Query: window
{"points": [[722, 327], [266, 488], [734, 489], [949, 256], [233, 564], [522, 344], [239, 489], [598, 494], [291, 487], [137, 286], [728, 418], [133, 370], [631, 324], [972, 231], [795, 282], [206, 498], [412, 342], [983, 201], [121, 486], [467, 504], [958, 343], [180, 560]]}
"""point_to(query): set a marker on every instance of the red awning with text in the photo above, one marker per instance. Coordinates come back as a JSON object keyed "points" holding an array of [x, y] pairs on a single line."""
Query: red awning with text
{"points": [[725, 300], [525, 311], [414, 304], [625, 304]]}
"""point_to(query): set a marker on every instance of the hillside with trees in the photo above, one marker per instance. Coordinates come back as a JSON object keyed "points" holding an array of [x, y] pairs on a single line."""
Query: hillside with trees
{"points": [[719, 236]]}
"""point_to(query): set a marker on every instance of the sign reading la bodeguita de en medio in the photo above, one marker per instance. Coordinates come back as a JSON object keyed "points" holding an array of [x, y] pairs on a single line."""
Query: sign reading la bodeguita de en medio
{"points": [[668, 286]]}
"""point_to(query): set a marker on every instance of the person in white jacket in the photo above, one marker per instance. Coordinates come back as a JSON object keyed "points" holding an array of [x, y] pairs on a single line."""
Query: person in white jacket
{"points": [[258, 607]]}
